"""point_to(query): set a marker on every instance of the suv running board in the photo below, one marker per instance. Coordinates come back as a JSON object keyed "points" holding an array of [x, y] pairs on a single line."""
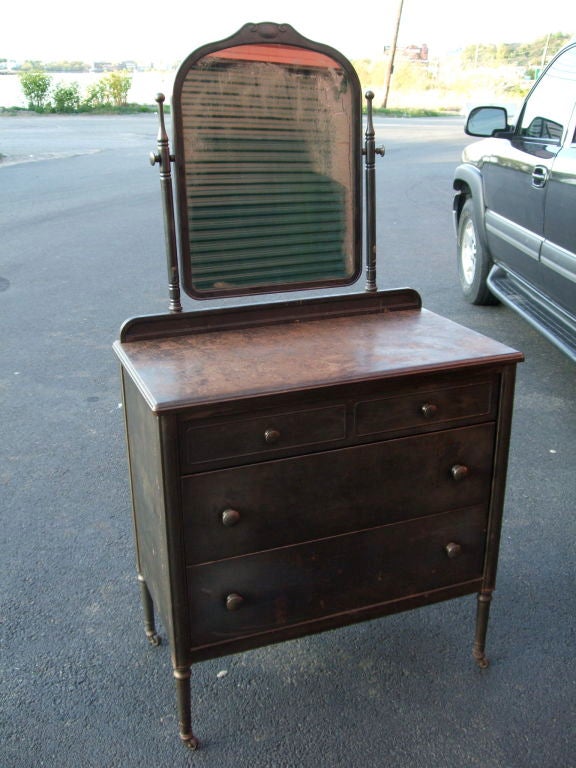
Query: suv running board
{"points": [[548, 318]]}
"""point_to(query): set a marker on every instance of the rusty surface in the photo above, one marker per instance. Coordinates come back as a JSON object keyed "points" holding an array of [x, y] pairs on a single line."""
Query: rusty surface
{"points": [[195, 369]]}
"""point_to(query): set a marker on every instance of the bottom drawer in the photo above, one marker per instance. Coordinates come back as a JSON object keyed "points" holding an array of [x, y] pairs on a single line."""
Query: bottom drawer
{"points": [[269, 590]]}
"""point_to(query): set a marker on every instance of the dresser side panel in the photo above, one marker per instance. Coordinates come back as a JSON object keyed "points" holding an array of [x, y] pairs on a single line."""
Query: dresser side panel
{"points": [[498, 488], [148, 499]]}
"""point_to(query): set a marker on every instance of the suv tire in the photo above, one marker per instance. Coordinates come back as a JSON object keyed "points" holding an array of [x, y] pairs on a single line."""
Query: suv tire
{"points": [[474, 263]]}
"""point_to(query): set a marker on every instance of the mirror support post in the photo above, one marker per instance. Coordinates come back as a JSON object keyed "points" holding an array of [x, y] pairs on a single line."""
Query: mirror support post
{"points": [[164, 159], [370, 152]]}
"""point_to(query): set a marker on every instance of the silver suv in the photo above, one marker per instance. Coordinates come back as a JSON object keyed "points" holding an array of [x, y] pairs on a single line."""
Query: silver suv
{"points": [[515, 206]]}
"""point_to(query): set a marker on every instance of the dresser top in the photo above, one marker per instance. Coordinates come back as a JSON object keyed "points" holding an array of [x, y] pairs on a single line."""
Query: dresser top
{"points": [[215, 366]]}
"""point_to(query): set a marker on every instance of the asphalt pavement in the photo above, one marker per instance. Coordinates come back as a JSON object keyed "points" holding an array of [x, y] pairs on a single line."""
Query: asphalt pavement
{"points": [[81, 250]]}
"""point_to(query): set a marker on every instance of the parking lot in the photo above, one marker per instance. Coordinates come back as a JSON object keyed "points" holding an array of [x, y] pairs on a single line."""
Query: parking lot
{"points": [[81, 250]]}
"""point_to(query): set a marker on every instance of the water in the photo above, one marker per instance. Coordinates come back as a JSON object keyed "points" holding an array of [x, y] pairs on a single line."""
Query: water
{"points": [[145, 86]]}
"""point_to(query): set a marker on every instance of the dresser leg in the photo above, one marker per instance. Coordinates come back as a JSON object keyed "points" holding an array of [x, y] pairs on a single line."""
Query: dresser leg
{"points": [[148, 606], [482, 611], [182, 677]]}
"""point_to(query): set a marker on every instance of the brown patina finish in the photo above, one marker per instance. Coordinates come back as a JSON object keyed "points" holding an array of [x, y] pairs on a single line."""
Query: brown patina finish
{"points": [[298, 466], [290, 477], [195, 369]]}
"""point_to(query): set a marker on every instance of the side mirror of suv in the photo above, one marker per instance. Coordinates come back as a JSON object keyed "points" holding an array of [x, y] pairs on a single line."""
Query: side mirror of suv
{"points": [[487, 121]]}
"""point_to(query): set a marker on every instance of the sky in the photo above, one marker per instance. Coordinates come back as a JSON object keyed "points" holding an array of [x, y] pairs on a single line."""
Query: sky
{"points": [[117, 30]]}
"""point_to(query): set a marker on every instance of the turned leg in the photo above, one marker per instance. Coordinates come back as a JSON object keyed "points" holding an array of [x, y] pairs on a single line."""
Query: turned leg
{"points": [[182, 677], [148, 606], [482, 612]]}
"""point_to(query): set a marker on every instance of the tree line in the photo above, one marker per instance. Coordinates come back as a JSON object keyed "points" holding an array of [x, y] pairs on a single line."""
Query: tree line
{"points": [[528, 55], [111, 91], [43, 95]]}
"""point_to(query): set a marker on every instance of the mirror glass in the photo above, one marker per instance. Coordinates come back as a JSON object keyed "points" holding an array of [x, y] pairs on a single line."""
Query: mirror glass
{"points": [[267, 169], [483, 121]]}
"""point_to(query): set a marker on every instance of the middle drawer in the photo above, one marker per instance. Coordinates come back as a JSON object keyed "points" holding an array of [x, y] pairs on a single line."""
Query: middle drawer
{"points": [[252, 508]]}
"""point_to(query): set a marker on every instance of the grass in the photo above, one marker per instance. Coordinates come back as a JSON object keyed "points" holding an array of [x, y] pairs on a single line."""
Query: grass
{"points": [[130, 109], [413, 112], [109, 109]]}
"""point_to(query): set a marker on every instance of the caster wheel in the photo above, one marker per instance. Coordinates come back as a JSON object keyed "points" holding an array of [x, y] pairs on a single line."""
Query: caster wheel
{"points": [[191, 742]]}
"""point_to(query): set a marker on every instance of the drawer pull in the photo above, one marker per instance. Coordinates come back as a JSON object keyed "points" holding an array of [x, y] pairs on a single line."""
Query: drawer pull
{"points": [[453, 549], [234, 601], [428, 410], [230, 517], [271, 436], [459, 472]]}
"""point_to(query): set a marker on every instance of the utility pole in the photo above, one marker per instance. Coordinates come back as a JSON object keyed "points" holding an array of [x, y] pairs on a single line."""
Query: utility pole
{"points": [[392, 53], [545, 53]]}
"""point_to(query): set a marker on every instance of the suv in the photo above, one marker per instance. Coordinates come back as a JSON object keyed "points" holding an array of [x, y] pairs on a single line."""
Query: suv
{"points": [[515, 206]]}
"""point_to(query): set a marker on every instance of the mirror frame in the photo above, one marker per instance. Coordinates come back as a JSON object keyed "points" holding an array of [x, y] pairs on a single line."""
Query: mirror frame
{"points": [[268, 33]]}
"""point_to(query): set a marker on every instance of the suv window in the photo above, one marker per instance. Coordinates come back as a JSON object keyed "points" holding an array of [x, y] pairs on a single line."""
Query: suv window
{"points": [[549, 106]]}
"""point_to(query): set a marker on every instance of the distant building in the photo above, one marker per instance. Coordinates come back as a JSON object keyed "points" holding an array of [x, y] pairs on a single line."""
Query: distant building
{"points": [[114, 66], [415, 52], [103, 66], [8, 65], [410, 52]]}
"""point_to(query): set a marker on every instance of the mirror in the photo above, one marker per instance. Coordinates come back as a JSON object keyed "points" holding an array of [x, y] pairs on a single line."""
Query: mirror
{"points": [[267, 154], [483, 121]]}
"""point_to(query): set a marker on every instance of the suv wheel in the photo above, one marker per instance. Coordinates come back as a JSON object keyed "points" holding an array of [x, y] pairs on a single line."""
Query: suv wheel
{"points": [[474, 264]]}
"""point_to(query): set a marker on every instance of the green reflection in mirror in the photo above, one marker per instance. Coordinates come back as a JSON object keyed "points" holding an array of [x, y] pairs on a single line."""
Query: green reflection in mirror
{"points": [[269, 170]]}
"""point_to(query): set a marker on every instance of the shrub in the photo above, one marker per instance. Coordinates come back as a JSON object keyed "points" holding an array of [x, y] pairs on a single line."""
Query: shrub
{"points": [[36, 88], [96, 95], [411, 76], [110, 91], [117, 86], [66, 98]]}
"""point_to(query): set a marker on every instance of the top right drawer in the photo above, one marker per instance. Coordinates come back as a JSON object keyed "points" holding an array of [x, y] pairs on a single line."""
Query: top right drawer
{"points": [[426, 408]]}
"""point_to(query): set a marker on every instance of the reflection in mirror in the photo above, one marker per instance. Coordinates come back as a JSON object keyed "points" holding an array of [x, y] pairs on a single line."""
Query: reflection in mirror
{"points": [[483, 121], [267, 169]]}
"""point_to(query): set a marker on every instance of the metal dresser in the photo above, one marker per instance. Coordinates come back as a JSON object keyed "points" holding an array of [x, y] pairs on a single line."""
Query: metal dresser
{"points": [[297, 465]]}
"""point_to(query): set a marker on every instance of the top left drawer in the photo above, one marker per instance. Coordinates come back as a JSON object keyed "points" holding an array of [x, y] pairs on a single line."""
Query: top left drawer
{"points": [[222, 439]]}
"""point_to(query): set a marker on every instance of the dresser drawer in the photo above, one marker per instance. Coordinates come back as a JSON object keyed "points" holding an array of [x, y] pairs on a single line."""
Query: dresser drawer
{"points": [[270, 590], [229, 438], [235, 511], [425, 408]]}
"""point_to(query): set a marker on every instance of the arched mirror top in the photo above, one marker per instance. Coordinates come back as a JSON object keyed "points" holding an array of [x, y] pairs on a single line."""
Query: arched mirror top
{"points": [[267, 137]]}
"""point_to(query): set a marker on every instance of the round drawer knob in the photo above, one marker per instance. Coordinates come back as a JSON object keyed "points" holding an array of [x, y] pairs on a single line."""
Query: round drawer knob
{"points": [[428, 410], [234, 601], [230, 517], [271, 436], [459, 472], [453, 550]]}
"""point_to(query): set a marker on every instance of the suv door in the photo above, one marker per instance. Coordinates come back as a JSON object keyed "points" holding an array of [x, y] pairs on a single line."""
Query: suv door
{"points": [[558, 253], [529, 185], [550, 111]]}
